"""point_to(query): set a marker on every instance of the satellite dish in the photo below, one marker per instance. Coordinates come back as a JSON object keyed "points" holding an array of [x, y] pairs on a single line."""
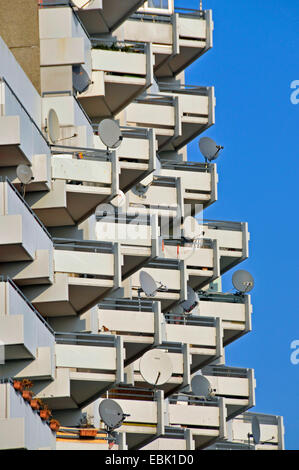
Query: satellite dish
{"points": [[192, 300], [200, 386], [24, 174], [111, 413], [156, 367], [119, 200], [53, 126], [243, 281], [209, 148], [191, 228], [256, 430], [148, 284], [110, 133]]}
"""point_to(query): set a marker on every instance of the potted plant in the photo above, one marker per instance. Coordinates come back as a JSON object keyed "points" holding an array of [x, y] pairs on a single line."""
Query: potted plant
{"points": [[17, 385], [27, 393], [54, 425], [34, 403], [86, 428], [45, 412]]}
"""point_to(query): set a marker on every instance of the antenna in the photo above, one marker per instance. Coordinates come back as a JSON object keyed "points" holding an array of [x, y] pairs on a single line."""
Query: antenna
{"points": [[209, 149], [25, 175], [111, 414], [53, 128], [156, 367], [149, 285], [191, 302], [110, 134], [255, 431], [141, 188], [191, 228], [242, 281], [201, 387]]}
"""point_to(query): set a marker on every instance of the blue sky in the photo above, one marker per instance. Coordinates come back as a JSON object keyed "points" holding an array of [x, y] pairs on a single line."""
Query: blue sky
{"points": [[252, 64]]}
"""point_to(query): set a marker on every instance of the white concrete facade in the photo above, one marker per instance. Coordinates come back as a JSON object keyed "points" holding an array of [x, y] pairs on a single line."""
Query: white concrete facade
{"points": [[74, 319]]}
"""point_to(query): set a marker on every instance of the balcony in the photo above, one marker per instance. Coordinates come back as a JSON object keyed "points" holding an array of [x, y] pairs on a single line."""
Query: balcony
{"points": [[198, 182], [26, 248], [65, 57], [185, 187], [85, 271], [22, 329], [169, 273], [82, 179], [142, 326], [20, 427], [104, 16], [178, 113], [235, 385], [78, 186], [136, 155], [20, 136], [120, 72], [272, 433], [232, 238], [140, 232], [74, 125], [201, 263], [151, 418], [179, 38], [233, 310], [87, 366]]}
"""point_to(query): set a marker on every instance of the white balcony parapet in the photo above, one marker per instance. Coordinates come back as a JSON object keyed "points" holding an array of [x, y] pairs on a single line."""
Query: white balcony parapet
{"points": [[85, 271], [16, 78], [26, 247], [235, 385], [20, 427], [142, 326], [233, 310], [233, 239], [151, 417], [87, 365], [178, 113], [74, 124], [271, 438], [120, 72], [82, 178], [179, 37], [102, 17], [181, 189], [20, 136], [23, 330]]}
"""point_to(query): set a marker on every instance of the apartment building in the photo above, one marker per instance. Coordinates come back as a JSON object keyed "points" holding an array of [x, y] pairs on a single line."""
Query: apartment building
{"points": [[80, 235]]}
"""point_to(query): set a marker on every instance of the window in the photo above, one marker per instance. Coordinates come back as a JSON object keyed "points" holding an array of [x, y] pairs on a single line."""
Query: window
{"points": [[162, 5]]}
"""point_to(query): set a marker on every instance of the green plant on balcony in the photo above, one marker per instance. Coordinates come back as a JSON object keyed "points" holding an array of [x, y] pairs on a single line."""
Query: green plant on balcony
{"points": [[115, 47]]}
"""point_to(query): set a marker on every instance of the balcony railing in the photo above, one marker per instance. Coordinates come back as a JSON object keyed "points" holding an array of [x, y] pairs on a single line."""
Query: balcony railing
{"points": [[183, 88], [116, 45], [6, 180], [85, 339], [16, 288], [24, 110]]}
